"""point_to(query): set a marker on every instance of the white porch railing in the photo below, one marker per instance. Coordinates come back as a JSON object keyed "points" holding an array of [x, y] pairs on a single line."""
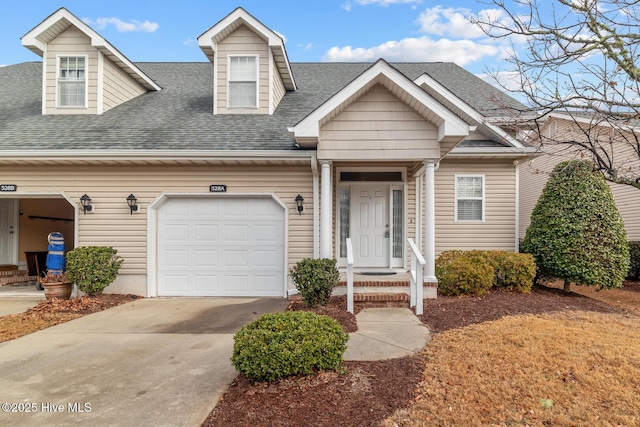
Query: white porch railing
{"points": [[349, 276], [416, 283]]}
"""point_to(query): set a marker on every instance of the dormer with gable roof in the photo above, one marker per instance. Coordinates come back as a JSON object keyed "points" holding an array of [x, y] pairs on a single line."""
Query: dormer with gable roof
{"points": [[251, 68], [82, 72]]}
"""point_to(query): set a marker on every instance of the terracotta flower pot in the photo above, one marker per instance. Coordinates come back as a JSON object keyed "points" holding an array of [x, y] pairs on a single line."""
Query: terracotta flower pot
{"points": [[60, 290]]}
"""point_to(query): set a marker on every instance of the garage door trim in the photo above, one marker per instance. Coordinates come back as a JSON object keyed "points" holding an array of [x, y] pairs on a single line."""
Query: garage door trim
{"points": [[152, 232]]}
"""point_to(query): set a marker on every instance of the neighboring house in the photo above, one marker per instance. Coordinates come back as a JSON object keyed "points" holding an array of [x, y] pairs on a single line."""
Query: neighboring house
{"points": [[559, 134], [216, 154]]}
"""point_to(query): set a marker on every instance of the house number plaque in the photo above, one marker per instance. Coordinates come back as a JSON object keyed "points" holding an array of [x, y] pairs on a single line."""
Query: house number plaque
{"points": [[218, 188], [8, 187]]}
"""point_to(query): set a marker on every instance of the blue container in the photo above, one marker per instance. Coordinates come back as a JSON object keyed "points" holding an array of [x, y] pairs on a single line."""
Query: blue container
{"points": [[55, 257]]}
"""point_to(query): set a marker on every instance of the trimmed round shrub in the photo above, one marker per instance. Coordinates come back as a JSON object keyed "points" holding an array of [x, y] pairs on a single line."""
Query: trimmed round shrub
{"points": [[279, 345], [315, 279], [475, 272], [93, 268], [463, 273], [512, 271]]}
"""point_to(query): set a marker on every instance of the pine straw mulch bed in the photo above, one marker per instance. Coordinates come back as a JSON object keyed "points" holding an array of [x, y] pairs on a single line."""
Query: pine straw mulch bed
{"points": [[52, 312], [399, 392]]}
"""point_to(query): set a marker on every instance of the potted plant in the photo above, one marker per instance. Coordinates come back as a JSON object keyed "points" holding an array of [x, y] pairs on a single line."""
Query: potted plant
{"points": [[56, 285], [93, 268]]}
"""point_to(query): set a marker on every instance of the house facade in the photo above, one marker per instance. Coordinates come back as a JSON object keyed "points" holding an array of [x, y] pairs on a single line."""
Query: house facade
{"points": [[239, 166], [560, 135]]}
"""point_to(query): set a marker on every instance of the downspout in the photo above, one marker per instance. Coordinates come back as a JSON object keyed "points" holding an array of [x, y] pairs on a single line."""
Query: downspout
{"points": [[517, 206], [316, 206]]}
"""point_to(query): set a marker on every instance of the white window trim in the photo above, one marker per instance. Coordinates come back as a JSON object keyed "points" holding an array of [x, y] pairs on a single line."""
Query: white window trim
{"points": [[86, 81], [455, 195], [257, 57]]}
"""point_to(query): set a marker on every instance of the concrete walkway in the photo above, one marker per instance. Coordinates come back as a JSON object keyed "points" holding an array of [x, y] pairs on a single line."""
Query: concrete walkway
{"points": [[161, 362], [386, 333]]}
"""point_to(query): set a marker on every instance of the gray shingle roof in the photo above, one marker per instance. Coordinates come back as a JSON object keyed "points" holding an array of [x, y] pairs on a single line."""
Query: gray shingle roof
{"points": [[180, 115]]}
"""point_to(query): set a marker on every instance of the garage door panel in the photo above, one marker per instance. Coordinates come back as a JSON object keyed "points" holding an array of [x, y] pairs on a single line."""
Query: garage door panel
{"points": [[174, 233], [175, 257], [174, 283], [236, 284], [239, 208], [269, 233], [236, 258], [236, 233], [205, 258], [267, 259], [205, 233], [205, 283], [221, 247]]}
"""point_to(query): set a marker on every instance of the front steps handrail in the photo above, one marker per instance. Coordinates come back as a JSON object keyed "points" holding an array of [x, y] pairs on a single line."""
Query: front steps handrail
{"points": [[349, 276], [415, 281]]}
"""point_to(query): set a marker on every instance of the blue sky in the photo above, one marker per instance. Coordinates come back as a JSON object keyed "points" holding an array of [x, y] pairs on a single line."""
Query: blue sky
{"points": [[342, 30]]}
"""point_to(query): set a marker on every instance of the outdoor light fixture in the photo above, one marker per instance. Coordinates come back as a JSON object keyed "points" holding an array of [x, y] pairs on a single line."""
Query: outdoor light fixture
{"points": [[299, 201], [131, 201], [85, 201]]}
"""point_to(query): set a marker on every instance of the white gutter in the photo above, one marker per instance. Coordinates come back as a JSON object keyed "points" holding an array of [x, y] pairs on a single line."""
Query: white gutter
{"points": [[151, 155], [316, 207], [517, 205]]}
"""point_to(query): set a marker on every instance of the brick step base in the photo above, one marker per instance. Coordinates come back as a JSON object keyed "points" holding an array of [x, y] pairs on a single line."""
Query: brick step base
{"points": [[376, 283], [9, 273], [381, 300], [17, 280], [8, 267]]}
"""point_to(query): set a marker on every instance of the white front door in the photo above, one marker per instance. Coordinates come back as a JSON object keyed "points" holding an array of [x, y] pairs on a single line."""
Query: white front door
{"points": [[6, 231], [370, 223]]}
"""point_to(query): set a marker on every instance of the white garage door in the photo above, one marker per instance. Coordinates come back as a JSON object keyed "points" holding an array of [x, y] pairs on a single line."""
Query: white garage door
{"points": [[221, 246]]}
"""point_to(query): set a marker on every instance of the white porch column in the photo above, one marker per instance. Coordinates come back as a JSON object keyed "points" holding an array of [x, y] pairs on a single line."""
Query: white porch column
{"points": [[430, 223], [326, 210]]}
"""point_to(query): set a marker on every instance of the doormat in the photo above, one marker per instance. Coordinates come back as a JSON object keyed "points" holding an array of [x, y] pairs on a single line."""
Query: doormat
{"points": [[377, 273]]}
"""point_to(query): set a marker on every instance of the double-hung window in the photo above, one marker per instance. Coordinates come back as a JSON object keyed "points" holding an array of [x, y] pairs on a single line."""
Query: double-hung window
{"points": [[469, 198], [243, 82], [72, 82]]}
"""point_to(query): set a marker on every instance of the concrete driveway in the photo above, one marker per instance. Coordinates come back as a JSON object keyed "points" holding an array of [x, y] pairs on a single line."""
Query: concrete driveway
{"points": [[160, 362]]}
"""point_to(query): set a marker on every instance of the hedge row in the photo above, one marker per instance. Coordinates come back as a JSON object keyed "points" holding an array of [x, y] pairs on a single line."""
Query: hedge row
{"points": [[476, 272]]}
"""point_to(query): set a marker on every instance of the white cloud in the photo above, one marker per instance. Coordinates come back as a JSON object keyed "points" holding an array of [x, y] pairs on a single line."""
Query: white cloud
{"points": [[385, 3], [454, 21], [509, 80], [124, 27], [305, 46], [421, 49], [346, 6]]}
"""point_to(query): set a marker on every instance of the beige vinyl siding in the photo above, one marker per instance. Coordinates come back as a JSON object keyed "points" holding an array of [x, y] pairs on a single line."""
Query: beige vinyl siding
{"points": [[378, 126], [112, 224], [243, 41], [534, 175], [119, 87], [278, 86], [72, 42], [497, 231]]}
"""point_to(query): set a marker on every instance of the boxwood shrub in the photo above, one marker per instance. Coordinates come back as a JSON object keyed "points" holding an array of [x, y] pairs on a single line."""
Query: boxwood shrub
{"points": [[463, 273], [315, 279], [475, 272], [279, 345], [634, 260]]}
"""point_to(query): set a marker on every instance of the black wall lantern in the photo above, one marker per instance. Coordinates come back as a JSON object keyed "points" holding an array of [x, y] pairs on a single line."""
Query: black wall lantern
{"points": [[299, 204], [131, 201], [85, 201]]}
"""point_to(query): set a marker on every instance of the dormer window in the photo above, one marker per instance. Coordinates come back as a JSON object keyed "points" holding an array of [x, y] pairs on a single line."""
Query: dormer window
{"points": [[243, 82], [72, 86]]}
